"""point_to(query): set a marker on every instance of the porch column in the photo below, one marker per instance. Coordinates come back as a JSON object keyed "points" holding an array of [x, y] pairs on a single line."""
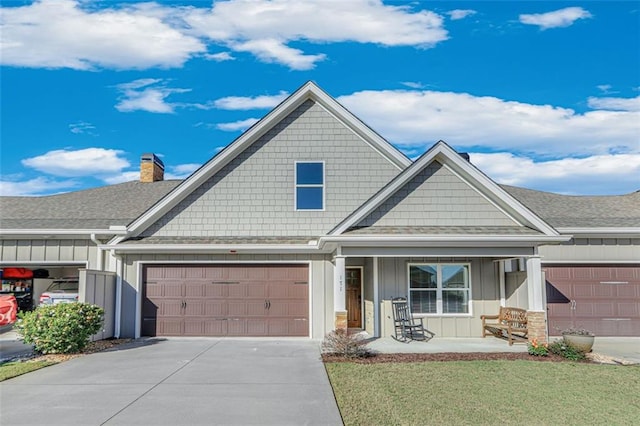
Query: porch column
{"points": [[339, 293], [536, 314]]}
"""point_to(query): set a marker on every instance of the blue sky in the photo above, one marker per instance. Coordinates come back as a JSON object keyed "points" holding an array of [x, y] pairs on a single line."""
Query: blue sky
{"points": [[544, 95]]}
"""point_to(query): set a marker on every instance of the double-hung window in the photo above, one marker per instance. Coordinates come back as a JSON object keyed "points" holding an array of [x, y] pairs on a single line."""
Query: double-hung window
{"points": [[439, 288], [309, 193]]}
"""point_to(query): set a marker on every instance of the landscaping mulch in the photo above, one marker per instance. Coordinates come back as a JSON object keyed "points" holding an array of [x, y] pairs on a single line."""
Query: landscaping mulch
{"points": [[443, 357], [92, 347]]}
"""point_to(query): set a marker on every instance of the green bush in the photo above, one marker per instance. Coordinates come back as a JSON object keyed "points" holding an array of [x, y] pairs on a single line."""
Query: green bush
{"points": [[559, 347], [62, 328]]}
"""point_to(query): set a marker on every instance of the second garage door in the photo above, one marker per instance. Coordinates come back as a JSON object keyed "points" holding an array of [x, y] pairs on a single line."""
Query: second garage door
{"points": [[603, 299], [226, 300]]}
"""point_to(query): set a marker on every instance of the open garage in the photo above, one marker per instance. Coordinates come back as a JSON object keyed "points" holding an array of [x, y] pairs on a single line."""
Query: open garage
{"points": [[226, 300], [604, 299]]}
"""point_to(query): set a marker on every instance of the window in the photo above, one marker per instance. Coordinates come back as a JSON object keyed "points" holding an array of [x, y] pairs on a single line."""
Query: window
{"points": [[439, 288], [309, 186]]}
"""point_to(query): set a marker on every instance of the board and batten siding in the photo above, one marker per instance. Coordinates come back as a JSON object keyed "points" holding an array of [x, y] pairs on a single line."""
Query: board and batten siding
{"points": [[485, 295], [253, 195], [48, 251], [582, 250], [437, 197], [320, 286]]}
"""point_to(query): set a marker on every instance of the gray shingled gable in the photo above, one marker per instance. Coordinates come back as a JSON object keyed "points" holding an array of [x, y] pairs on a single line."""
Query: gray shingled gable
{"points": [[579, 211], [96, 208]]}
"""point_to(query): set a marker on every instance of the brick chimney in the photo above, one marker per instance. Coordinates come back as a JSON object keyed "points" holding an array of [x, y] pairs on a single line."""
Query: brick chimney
{"points": [[151, 168]]}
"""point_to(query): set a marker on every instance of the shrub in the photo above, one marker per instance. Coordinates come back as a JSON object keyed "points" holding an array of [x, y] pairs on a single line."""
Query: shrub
{"points": [[340, 342], [537, 349], [62, 328], [559, 347]]}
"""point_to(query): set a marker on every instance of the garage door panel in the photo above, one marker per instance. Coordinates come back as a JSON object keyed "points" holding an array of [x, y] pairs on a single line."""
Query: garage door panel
{"points": [[195, 289], [170, 327], [215, 308], [605, 299], [257, 327], [256, 290], [237, 327], [228, 300], [216, 290], [629, 309], [194, 307], [169, 307], [627, 291]]}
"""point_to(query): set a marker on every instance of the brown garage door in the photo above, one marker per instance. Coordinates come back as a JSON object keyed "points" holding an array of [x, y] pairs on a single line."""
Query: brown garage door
{"points": [[604, 299], [226, 300]]}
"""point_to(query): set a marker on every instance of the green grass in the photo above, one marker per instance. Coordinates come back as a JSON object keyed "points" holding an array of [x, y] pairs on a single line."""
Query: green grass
{"points": [[486, 393], [13, 369]]}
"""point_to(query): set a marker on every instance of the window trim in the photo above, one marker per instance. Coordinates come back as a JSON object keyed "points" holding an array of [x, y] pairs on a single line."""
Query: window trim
{"points": [[439, 304], [321, 186]]}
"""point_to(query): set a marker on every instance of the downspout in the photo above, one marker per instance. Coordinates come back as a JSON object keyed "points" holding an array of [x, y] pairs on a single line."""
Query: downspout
{"points": [[99, 255], [119, 273]]}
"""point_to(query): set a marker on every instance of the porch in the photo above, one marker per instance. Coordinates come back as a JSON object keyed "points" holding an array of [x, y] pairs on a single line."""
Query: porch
{"points": [[444, 345]]}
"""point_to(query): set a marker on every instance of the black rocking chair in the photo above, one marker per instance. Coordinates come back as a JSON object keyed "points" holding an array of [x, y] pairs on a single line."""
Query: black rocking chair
{"points": [[407, 328]]}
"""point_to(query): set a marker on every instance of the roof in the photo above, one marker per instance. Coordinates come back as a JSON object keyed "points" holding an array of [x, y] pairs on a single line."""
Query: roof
{"points": [[443, 230], [96, 208], [580, 211]]}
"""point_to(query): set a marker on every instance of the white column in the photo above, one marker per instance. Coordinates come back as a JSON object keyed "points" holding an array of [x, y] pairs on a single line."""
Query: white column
{"points": [[535, 284], [376, 299], [502, 284], [339, 290]]}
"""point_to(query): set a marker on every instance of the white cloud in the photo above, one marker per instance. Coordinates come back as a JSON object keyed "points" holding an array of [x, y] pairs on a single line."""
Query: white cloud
{"points": [[181, 171], [602, 174], [413, 119], [275, 51], [460, 13], [615, 104], [82, 162], [219, 57], [63, 34], [248, 102], [237, 125], [36, 186], [81, 35], [556, 19], [121, 177], [413, 84], [82, 127], [147, 95]]}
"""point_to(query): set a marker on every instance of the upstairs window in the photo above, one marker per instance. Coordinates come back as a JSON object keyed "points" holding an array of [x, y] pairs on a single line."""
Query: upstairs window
{"points": [[309, 185]]}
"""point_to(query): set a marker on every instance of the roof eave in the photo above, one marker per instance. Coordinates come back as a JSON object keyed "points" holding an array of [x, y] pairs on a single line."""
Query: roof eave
{"points": [[46, 234], [601, 232], [448, 240], [312, 247]]}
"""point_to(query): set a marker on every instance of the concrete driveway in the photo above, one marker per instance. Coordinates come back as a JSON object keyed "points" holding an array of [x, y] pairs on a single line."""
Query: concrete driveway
{"points": [[178, 381]]}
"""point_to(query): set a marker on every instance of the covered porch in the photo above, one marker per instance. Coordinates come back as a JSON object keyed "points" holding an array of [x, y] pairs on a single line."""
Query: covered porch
{"points": [[450, 287]]}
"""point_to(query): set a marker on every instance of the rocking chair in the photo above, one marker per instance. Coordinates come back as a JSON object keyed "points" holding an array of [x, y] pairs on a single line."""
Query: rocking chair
{"points": [[407, 327]]}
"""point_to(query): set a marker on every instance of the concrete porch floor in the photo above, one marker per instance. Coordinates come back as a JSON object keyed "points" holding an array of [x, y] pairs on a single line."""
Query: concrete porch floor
{"points": [[443, 344]]}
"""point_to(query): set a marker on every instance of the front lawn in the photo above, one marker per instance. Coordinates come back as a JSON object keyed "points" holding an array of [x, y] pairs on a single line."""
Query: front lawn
{"points": [[486, 392], [13, 369]]}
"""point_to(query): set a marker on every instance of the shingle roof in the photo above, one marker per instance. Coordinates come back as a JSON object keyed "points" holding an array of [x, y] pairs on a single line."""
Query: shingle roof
{"points": [[96, 208], [443, 230], [579, 211], [220, 240], [120, 204]]}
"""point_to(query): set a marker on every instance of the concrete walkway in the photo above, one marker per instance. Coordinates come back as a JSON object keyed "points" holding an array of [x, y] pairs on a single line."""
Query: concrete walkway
{"points": [[178, 381]]}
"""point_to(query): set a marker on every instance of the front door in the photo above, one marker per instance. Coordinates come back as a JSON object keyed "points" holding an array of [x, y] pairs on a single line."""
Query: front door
{"points": [[354, 297]]}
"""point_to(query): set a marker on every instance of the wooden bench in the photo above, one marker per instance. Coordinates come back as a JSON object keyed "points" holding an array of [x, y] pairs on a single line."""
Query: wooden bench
{"points": [[510, 324]]}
